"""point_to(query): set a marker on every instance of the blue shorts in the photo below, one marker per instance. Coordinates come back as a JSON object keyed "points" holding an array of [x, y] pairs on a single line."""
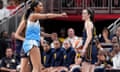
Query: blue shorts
{"points": [[28, 45]]}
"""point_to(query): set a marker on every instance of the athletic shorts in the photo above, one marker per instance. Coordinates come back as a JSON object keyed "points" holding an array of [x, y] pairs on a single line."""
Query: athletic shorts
{"points": [[28, 45]]}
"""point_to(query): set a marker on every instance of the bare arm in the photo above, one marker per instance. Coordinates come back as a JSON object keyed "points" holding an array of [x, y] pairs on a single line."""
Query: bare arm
{"points": [[20, 29], [45, 34], [8, 70], [105, 36], [5, 69], [88, 28], [36, 16]]}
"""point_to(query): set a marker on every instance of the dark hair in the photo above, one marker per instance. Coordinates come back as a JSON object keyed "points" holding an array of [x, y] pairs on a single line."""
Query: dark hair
{"points": [[9, 48], [48, 43], [59, 42], [1, 34], [105, 28], [1, 2], [31, 9], [91, 12]]}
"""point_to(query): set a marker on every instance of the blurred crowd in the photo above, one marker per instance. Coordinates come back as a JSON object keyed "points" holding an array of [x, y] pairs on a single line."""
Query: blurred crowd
{"points": [[7, 7], [61, 53], [91, 3]]}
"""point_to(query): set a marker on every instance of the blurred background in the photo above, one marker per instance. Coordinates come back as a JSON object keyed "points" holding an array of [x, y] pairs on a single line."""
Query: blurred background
{"points": [[107, 23]]}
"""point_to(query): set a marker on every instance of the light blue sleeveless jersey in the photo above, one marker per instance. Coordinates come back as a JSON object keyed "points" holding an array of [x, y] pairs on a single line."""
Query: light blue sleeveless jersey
{"points": [[32, 31], [32, 36]]}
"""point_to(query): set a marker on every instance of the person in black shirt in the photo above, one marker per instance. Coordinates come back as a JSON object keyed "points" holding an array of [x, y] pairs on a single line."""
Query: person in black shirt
{"points": [[8, 63], [4, 43]]}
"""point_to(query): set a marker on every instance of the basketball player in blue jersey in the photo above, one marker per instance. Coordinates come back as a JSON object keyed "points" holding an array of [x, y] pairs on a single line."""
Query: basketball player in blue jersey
{"points": [[89, 52], [32, 34]]}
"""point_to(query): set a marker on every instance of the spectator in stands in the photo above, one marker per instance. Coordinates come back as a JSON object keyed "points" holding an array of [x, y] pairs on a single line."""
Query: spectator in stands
{"points": [[54, 37], [115, 39], [5, 2], [101, 61], [11, 5], [116, 57], [4, 34], [72, 37], [68, 3], [58, 61], [70, 54], [17, 2], [118, 33], [62, 35], [9, 62], [69, 58], [3, 11], [4, 43], [105, 36], [59, 54], [13, 41], [47, 55], [76, 67]]}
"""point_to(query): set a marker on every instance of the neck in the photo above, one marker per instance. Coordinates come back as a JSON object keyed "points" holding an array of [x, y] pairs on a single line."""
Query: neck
{"points": [[117, 52], [68, 48], [71, 36], [9, 57], [46, 50], [87, 20]]}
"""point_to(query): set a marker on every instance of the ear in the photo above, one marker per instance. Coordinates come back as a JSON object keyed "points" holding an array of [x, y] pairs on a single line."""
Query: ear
{"points": [[35, 7]]}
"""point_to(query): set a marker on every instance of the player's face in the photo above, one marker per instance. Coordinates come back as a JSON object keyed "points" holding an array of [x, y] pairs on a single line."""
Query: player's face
{"points": [[85, 14], [39, 7]]}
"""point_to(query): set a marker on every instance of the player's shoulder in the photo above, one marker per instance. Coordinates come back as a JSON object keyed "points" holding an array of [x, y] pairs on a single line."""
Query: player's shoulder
{"points": [[89, 24]]}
